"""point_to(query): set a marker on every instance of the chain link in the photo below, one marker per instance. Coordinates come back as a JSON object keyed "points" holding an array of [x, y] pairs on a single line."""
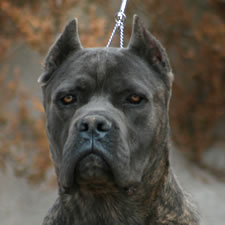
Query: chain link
{"points": [[111, 37], [121, 35], [120, 18]]}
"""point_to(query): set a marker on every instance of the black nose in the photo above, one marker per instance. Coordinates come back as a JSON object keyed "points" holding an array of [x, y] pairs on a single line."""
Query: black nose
{"points": [[95, 125]]}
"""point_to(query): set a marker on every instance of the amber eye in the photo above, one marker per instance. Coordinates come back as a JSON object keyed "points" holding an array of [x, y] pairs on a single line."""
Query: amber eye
{"points": [[134, 99], [68, 99]]}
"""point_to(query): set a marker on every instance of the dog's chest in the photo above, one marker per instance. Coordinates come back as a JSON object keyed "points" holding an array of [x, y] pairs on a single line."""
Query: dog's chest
{"points": [[101, 211]]}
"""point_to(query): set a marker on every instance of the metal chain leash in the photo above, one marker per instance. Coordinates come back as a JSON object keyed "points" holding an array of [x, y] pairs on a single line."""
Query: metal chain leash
{"points": [[120, 18]]}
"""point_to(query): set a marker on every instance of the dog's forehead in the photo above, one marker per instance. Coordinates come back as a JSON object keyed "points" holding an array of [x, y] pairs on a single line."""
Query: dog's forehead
{"points": [[113, 66]]}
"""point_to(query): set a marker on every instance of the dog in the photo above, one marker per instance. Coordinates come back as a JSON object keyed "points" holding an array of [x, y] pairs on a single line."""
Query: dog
{"points": [[108, 129]]}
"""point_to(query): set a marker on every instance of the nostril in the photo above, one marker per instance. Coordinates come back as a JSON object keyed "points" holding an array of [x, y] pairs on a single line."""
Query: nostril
{"points": [[84, 126], [100, 127], [96, 125], [103, 126]]}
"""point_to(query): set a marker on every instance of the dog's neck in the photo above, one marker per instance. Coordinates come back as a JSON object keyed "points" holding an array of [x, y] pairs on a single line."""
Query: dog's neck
{"points": [[142, 206], [122, 206]]}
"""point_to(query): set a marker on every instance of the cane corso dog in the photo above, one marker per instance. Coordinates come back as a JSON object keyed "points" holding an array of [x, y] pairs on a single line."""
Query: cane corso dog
{"points": [[108, 129]]}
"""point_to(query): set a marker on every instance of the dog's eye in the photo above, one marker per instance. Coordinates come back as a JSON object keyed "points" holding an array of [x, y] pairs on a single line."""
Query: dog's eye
{"points": [[68, 99], [134, 99]]}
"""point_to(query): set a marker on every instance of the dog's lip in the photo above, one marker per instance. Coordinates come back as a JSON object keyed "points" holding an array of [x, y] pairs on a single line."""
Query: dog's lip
{"points": [[71, 159], [91, 151], [70, 167]]}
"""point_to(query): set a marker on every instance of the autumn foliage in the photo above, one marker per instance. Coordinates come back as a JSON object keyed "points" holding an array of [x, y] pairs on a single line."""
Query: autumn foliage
{"points": [[195, 38], [193, 33]]}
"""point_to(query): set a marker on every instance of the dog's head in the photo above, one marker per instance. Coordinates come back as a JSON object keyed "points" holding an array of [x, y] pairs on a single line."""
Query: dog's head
{"points": [[106, 108]]}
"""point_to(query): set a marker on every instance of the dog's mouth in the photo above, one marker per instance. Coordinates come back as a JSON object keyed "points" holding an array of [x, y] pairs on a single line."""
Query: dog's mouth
{"points": [[93, 173], [89, 166], [93, 165], [92, 169]]}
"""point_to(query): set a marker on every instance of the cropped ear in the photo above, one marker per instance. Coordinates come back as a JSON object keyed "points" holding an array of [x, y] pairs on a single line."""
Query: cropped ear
{"points": [[144, 44], [66, 43]]}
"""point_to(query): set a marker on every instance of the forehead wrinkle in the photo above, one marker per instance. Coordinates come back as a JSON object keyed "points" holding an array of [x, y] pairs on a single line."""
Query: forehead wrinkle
{"points": [[94, 65], [110, 67], [104, 62], [101, 68]]}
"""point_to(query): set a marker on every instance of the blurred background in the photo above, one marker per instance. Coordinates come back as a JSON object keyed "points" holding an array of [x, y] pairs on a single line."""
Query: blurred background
{"points": [[193, 33]]}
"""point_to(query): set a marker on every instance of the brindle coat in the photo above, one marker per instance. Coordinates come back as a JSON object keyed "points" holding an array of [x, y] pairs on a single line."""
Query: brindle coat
{"points": [[108, 129]]}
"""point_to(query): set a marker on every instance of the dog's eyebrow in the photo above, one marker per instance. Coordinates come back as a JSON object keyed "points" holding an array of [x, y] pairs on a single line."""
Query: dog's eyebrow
{"points": [[130, 84], [129, 87], [79, 84]]}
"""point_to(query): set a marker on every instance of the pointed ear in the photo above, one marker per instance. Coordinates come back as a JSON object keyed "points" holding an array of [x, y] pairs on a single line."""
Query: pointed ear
{"points": [[144, 44], [66, 43]]}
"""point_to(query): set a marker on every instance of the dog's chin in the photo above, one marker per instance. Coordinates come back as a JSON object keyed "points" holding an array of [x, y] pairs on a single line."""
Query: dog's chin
{"points": [[94, 173], [92, 169]]}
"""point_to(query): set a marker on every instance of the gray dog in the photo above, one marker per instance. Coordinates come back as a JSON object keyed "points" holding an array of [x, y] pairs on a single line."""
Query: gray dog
{"points": [[108, 129]]}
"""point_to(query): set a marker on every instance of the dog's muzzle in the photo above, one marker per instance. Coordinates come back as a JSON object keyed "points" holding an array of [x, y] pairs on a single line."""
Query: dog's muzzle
{"points": [[85, 153]]}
